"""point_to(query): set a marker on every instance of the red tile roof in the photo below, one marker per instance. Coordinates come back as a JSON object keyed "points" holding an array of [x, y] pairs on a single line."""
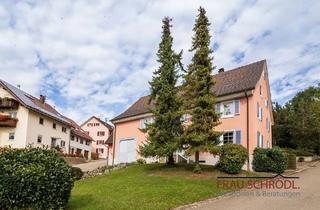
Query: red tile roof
{"points": [[226, 83]]}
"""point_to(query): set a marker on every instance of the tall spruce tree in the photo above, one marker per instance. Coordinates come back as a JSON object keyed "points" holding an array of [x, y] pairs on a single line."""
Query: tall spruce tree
{"points": [[199, 98], [164, 132]]}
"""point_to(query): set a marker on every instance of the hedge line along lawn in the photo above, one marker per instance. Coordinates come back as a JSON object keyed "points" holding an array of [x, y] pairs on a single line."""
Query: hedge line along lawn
{"points": [[151, 186]]}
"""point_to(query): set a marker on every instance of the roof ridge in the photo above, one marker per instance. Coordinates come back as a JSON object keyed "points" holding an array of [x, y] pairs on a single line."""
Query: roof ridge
{"points": [[239, 67]]}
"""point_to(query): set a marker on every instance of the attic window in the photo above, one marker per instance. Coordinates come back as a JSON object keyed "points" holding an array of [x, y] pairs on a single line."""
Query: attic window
{"points": [[41, 121]]}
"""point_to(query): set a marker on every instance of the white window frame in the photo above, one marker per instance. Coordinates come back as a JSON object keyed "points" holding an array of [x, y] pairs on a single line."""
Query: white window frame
{"points": [[232, 108], [145, 121], [234, 136], [64, 145], [39, 136], [10, 135]]}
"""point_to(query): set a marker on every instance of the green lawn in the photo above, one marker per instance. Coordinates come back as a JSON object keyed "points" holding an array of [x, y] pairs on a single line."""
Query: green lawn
{"points": [[152, 186]]}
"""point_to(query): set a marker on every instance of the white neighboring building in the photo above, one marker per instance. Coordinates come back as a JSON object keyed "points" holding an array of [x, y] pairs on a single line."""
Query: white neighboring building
{"points": [[27, 120], [80, 141]]}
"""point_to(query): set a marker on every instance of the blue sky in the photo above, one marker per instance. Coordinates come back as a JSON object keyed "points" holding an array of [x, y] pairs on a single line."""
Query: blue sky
{"points": [[96, 57]]}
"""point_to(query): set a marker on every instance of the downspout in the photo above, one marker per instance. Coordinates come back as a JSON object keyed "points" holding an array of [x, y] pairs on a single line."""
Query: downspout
{"points": [[248, 145], [113, 143]]}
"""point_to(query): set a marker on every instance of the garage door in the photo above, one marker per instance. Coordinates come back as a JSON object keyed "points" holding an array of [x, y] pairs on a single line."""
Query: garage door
{"points": [[127, 151]]}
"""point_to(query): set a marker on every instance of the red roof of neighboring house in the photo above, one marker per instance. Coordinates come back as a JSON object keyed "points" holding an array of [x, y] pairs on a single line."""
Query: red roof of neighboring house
{"points": [[77, 130], [228, 82], [33, 103]]}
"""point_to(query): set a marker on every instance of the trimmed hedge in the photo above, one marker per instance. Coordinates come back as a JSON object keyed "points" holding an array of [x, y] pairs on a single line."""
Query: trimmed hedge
{"points": [[34, 178], [270, 160], [232, 158], [77, 173]]}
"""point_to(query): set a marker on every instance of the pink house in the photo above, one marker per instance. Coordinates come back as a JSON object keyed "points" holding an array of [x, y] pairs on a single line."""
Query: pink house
{"points": [[243, 98], [101, 132]]}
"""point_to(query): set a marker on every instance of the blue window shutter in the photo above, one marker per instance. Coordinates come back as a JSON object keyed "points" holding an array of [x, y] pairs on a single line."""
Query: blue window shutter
{"points": [[218, 105], [258, 137], [237, 106], [238, 137]]}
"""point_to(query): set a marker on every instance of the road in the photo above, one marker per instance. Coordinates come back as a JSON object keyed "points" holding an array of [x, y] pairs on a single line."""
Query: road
{"points": [[306, 198], [90, 166]]}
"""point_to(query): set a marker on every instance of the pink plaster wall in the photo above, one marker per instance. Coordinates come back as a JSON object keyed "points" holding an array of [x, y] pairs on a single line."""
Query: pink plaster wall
{"points": [[93, 130], [130, 129]]}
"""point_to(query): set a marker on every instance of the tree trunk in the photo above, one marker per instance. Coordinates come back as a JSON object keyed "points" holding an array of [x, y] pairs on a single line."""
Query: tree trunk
{"points": [[196, 157], [170, 160]]}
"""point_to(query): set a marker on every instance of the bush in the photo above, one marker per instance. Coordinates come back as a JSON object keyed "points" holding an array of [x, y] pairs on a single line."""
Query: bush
{"points": [[34, 178], [141, 161], [270, 160], [94, 156], [77, 173], [292, 161], [232, 158]]}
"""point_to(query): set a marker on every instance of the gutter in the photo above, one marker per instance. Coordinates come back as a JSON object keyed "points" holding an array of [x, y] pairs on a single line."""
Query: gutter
{"points": [[248, 153], [113, 143]]}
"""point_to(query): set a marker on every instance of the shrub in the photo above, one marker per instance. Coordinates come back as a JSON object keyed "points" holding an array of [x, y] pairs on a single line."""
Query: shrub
{"points": [[141, 161], [34, 178], [94, 156], [270, 160], [77, 173], [232, 158], [292, 161]]}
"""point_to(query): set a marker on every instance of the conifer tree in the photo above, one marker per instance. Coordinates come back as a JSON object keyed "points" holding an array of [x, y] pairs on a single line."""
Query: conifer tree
{"points": [[164, 132], [198, 95]]}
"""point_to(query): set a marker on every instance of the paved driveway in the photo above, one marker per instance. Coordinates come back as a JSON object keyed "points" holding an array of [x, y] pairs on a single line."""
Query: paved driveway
{"points": [[90, 166], [309, 198]]}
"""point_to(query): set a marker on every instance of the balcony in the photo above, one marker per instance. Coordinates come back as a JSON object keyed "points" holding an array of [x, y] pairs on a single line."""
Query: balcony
{"points": [[8, 103], [7, 121]]}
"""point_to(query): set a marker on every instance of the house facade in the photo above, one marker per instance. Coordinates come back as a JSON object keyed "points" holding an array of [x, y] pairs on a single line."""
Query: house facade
{"points": [[80, 141], [243, 99], [101, 132], [26, 120]]}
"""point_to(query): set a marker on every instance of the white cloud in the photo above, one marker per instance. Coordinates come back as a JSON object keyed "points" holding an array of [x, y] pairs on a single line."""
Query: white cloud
{"points": [[95, 58]]}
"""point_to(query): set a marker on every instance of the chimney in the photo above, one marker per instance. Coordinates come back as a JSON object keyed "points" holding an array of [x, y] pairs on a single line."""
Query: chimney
{"points": [[42, 99], [221, 70]]}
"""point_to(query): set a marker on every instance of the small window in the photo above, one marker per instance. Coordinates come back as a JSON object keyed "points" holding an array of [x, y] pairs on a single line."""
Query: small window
{"points": [[54, 126], [266, 103], [41, 121], [260, 90], [72, 138], [63, 143], [228, 109], [11, 136], [88, 143], [81, 141], [100, 133], [228, 137], [146, 121], [64, 129], [13, 114], [39, 139]]}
